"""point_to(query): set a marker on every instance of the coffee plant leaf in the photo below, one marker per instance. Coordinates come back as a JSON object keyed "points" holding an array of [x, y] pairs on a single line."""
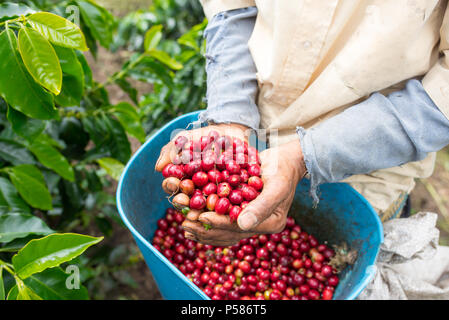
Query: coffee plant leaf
{"points": [[58, 30], [10, 201], [50, 251], [17, 86], [40, 59], [51, 284], [19, 225], [30, 184], [51, 158]]}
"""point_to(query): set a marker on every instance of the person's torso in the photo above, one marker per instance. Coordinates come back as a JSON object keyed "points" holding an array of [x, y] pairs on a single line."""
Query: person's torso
{"points": [[315, 58]]}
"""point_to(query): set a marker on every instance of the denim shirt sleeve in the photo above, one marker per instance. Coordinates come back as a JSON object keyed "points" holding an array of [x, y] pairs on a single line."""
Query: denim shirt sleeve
{"points": [[381, 132], [231, 73]]}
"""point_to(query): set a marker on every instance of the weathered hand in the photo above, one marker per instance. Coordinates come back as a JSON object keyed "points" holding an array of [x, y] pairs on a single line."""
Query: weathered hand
{"points": [[282, 169]]}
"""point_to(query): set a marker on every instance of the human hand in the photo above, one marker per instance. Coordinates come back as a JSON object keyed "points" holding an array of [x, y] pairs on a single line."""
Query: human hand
{"points": [[282, 168], [169, 151]]}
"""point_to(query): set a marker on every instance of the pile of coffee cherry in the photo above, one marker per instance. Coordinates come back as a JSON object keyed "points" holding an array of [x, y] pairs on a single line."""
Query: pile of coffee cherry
{"points": [[214, 173], [290, 265]]}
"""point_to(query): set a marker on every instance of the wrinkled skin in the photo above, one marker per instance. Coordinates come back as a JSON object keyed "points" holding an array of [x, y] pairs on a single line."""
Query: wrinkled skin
{"points": [[282, 169]]}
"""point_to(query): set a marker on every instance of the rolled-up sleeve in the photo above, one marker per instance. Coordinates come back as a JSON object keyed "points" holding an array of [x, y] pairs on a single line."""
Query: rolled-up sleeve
{"points": [[231, 73], [212, 7], [436, 81]]}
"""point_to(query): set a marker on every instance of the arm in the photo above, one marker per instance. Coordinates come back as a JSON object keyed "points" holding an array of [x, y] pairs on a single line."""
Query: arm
{"points": [[381, 132], [231, 73]]}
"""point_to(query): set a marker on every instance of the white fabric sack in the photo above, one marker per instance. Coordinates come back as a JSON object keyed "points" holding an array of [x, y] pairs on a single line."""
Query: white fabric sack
{"points": [[411, 265]]}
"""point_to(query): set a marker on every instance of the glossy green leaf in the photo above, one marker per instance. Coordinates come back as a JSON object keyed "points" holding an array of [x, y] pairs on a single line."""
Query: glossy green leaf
{"points": [[50, 252], [23, 126], [15, 152], [99, 21], [163, 57], [152, 37], [52, 159], [17, 86], [113, 167], [10, 201], [11, 10], [58, 30], [30, 184], [50, 284], [21, 292], [19, 225], [72, 78], [40, 59], [17, 244], [128, 117]]}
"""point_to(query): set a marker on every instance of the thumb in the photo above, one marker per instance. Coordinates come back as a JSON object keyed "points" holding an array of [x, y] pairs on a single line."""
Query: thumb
{"points": [[166, 156], [263, 206]]}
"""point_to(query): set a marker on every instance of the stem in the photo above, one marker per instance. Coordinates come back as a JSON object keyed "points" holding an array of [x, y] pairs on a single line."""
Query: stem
{"points": [[19, 19], [8, 267]]}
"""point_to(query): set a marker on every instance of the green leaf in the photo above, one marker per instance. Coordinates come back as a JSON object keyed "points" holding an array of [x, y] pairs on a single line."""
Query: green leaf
{"points": [[88, 77], [10, 200], [14, 152], [52, 159], [12, 294], [23, 126], [118, 143], [2, 285], [58, 30], [149, 70], [99, 21], [17, 244], [10, 10], [153, 37], [50, 284], [19, 225], [72, 78], [128, 88], [113, 167], [17, 86], [40, 59], [163, 57], [50, 252], [30, 183], [129, 119], [21, 292]]}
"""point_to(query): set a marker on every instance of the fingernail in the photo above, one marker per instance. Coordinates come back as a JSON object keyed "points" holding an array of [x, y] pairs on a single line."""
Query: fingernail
{"points": [[247, 221]]}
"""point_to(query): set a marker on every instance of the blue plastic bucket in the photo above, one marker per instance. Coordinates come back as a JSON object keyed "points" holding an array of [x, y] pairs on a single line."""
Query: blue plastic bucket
{"points": [[342, 215]]}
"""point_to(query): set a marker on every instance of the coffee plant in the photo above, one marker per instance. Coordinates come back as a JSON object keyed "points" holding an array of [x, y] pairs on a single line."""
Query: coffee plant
{"points": [[62, 141]]}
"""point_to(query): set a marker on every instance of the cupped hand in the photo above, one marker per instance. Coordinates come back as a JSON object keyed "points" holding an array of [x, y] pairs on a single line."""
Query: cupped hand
{"points": [[282, 168], [169, 151]]}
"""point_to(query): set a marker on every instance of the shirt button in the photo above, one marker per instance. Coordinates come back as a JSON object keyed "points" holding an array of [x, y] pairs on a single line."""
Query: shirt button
{"points": [[307, 44]]}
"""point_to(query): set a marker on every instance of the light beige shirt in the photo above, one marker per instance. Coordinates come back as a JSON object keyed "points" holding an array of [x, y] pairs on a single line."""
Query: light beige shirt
{"points": [[317, 57]]}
